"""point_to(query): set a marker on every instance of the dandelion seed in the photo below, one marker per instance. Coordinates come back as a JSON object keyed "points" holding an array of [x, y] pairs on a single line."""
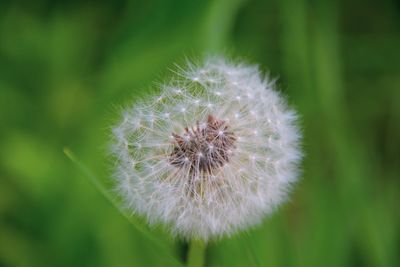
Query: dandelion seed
{"points": [[189, 166]]}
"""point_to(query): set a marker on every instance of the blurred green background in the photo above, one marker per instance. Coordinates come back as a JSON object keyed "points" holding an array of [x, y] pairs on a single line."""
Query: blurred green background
{"points": [[66, 67]]}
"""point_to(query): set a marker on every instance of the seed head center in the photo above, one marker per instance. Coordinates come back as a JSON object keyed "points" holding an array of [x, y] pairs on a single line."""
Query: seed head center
{"points": [[203, 148]]}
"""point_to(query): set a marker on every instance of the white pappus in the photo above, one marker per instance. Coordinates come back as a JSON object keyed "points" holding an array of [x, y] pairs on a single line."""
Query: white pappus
{"points": [[213, 153]]}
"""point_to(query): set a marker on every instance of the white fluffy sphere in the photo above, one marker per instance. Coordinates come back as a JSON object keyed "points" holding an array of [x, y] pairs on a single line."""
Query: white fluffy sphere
{"points": [[213, 153]]}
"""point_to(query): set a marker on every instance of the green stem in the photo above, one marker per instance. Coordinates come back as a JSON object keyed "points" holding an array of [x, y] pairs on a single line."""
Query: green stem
{"points": [[196, 253]]}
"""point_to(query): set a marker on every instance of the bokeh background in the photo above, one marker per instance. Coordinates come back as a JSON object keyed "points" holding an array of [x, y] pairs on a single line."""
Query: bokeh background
{"points": [[66, 67]]}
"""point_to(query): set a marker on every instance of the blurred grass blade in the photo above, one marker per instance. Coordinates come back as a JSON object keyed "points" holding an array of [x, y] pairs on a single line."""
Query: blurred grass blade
{"points": [[218, 23], [134, 221], [250, 248]]}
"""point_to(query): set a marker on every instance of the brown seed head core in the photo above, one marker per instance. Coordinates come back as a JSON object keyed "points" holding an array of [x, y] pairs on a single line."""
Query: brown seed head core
{"points": [[203, 149]]}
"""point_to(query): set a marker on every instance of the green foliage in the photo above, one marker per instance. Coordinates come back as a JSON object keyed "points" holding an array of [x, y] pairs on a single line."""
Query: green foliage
{"points": [[66, 67]]}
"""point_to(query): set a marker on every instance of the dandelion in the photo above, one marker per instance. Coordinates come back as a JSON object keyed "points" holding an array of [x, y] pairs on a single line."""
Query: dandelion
{"points": [[214, 153]]}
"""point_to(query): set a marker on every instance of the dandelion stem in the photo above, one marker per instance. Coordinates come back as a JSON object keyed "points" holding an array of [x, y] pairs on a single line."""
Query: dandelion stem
{"points": [[196, 253]]}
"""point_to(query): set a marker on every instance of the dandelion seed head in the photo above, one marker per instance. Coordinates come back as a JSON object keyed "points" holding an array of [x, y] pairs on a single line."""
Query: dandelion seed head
{"points": [[213, 154]]}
